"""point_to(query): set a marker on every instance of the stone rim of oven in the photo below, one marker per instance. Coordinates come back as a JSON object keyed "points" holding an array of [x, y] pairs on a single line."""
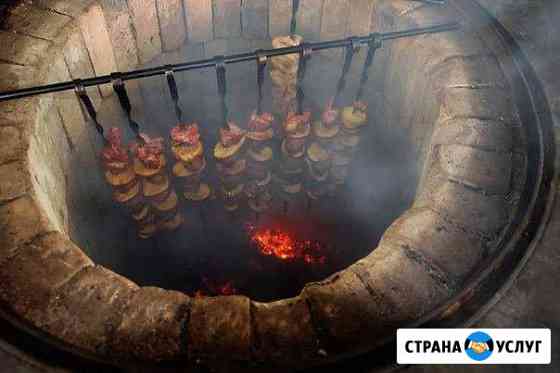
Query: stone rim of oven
{"points": [[95, 312]]}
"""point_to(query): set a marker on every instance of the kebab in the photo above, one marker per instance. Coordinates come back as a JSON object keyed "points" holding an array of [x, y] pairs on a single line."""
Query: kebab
{"points": [[259, 156], [354, 120], [283, 72], [297, 128], [127, 188], [189, 153], [231, 164], [325, 132], [149, 165], [318, 164]]}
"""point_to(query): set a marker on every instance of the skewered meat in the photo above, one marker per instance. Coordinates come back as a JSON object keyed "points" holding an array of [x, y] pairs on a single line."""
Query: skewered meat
{"points": [[260, 156], [127, 188], [283, 72], [189, 152], [149, 165], [231, 164]]}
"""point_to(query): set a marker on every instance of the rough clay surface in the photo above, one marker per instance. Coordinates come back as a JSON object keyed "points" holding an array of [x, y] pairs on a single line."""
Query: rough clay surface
{"points": [[110, 299]]}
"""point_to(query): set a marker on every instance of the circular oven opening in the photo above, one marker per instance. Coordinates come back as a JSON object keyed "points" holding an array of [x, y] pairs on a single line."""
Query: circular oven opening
{"points": [[215, 250], [439, 187]]}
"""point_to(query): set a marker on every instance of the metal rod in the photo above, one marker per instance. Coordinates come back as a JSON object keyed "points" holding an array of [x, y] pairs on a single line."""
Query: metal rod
{"points": [[293, 22], [374, 45], [174, 93], [85, 100], [231, 59], [120, 89], [345, 69], [222, 89], [434, 2], [302, 67], [261, 66]]}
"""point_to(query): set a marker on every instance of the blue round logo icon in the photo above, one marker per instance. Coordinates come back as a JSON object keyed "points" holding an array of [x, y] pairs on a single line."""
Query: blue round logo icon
{"points": [[479, 346]]}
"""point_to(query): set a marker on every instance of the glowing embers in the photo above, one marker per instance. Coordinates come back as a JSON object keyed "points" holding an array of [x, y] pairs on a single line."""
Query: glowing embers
{"points": [[287, 246], [213, 288]]}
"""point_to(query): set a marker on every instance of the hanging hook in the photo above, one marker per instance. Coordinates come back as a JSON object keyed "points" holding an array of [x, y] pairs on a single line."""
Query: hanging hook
{"points": [[86, 101], [173, 91], [120, 90], [262, 60], [375, 42], [222, 87], [353, 46], [305, 54], [293, 23]]}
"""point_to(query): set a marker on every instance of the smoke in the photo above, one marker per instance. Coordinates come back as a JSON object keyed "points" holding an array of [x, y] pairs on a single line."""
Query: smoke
{"points": [[214, 246], [381, 184], [533, 24]]}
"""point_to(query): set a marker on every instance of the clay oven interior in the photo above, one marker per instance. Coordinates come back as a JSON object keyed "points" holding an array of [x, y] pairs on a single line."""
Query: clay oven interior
{"points": [[439, 180]]}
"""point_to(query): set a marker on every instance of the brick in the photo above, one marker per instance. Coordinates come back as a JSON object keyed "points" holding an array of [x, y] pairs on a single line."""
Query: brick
{"points": [[171, 24], [227, 18], [400, 8], [68, 105], [474, 72], [152, 325], [34, 21], [309, 19], [22, 49], [482, 134], [484, 103], [49, 159], [98, 43], [360, 18], [436, 49], [199, 20], [71, 8], [16, 77], [119, 26], [220, 326], [478, 212], [50, 132], [31, 277], [423, 14], [279, 17], [452, 249], [254, 17], [347, 313], [15, 180], [21, 220], [12, 144], [87, 309], [20, 114], [146, 25], [79, 63], [334, 19], [404, 287], [487, 170], [49, 183], [283, 331]]}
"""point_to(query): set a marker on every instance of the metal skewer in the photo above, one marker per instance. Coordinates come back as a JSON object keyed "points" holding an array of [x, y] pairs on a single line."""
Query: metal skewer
{"points": [[236, 58]]}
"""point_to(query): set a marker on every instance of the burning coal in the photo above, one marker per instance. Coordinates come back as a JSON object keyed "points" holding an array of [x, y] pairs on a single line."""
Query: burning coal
{"points": [[213, 288], [287, 247]]}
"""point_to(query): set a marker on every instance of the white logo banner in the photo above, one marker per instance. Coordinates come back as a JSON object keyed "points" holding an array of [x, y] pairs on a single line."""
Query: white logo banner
{"points": [[473, 346]]}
